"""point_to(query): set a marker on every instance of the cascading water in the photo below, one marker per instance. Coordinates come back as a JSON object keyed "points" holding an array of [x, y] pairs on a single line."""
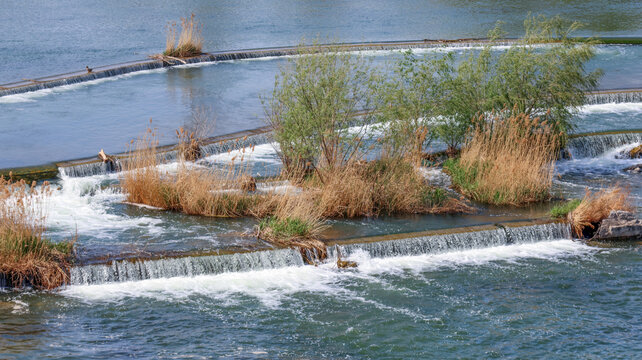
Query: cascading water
{"points": [[133, 270], [457, 241], [68, 79], [614, 97], [595, 145]]}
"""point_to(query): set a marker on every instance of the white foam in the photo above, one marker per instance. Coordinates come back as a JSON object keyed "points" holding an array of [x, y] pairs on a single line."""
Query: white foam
{"points": [[82, 206], [266, 153], [610, 108], [33, 95], [272, 286]]}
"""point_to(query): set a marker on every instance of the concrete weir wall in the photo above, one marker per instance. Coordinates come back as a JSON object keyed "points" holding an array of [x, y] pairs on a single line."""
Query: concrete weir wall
{"points": [[48, 82]]}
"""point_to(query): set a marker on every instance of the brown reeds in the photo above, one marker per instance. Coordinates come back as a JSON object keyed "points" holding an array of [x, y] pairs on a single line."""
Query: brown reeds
{"points": [[187, 188], [381, 187], [507, 161], [595, 207], [190, 39], [295, 221], [27, 258]]}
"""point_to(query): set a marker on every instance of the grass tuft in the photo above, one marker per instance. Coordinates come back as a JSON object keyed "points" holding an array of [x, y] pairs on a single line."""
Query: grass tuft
{"points": [[507, 161], [27, 257], [595, 207], [190, 39], [561, 211]]}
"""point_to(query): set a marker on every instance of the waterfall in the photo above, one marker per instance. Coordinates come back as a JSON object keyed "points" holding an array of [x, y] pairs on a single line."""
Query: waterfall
{"points": [[595, 145], [625, 96], [133, 270], [457, 241], [224, 146], [141, 269]]}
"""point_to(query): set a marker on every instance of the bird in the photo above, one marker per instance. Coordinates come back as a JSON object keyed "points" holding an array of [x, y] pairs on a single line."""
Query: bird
{"points": [[88, 69]]}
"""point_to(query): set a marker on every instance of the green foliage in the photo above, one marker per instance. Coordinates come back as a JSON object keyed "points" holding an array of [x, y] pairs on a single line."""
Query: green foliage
{"points": [[562, 210], [405, 106], [543, 74], [314, 104], [433, 196], [285, 228]]}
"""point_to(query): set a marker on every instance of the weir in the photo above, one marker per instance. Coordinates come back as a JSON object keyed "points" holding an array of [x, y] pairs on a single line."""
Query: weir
{"points": [[614, 96], [593, 145], [381, 246], [125, 68]]}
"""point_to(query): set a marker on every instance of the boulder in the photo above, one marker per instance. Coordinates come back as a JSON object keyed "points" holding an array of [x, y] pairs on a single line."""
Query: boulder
{"points": [[636, 152], [635, 169], [620, 225]]}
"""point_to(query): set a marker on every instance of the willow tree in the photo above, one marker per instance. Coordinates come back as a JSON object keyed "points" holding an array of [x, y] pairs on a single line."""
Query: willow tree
{"points": [[542, 74], [315, 108]]}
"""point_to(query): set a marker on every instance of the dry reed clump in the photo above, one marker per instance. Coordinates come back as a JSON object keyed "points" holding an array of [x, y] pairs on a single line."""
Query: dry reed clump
{"points": [[295, 221], [26, 256], [596, 207], [190, 39], [387, 186], [507, 161], [189, 189]]}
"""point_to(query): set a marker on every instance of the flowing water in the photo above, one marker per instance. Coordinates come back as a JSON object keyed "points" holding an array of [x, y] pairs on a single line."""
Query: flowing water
{"points": [[503, 292], [78, 120]]}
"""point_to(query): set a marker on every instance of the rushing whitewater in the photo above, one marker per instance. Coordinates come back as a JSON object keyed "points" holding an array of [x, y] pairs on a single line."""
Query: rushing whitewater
{"points": [[134, 270]]}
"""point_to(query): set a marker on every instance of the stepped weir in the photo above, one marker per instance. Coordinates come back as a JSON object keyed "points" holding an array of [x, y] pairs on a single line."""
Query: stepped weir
{"points": [[384, 246]]}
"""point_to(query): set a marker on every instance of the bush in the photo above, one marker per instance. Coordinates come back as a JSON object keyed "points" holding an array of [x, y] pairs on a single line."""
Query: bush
{"points": [[561, 211], [507, 161], [314, 104], [190, 189], [547, 81], [388, 186], [596, 207], [26, 256]]}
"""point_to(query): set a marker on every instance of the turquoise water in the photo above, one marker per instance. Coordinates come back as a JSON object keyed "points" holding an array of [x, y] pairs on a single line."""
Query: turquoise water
{"points": [[555, 299]]}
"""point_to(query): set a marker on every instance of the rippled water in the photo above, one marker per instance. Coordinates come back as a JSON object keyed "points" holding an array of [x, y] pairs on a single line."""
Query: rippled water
{"points": [[43, 38], [78, 120], [553, 299]]}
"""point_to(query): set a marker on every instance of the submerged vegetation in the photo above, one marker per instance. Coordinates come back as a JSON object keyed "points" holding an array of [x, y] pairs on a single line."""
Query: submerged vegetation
{"points": [[27, 257], [190, 38]]}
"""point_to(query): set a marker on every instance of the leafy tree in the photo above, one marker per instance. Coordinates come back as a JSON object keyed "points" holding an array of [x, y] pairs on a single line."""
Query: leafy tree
{"points": [[315, 108]]}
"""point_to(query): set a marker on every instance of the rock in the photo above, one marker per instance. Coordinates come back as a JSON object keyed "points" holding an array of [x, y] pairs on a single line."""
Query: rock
{"points": [[636, 152], [344, 264], [635, 169], [620, 225]]}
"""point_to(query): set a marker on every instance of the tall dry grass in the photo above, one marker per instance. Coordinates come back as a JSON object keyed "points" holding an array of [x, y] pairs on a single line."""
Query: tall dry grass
{"points": [[190, 39], [507, 161], [185, 187], [382, 187], [294, 220], [26, 256], [595, 207]]}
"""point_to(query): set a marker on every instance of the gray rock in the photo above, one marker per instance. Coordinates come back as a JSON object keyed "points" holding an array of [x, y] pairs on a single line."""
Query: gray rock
{"points": [[620, 225], [635, 169]]}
